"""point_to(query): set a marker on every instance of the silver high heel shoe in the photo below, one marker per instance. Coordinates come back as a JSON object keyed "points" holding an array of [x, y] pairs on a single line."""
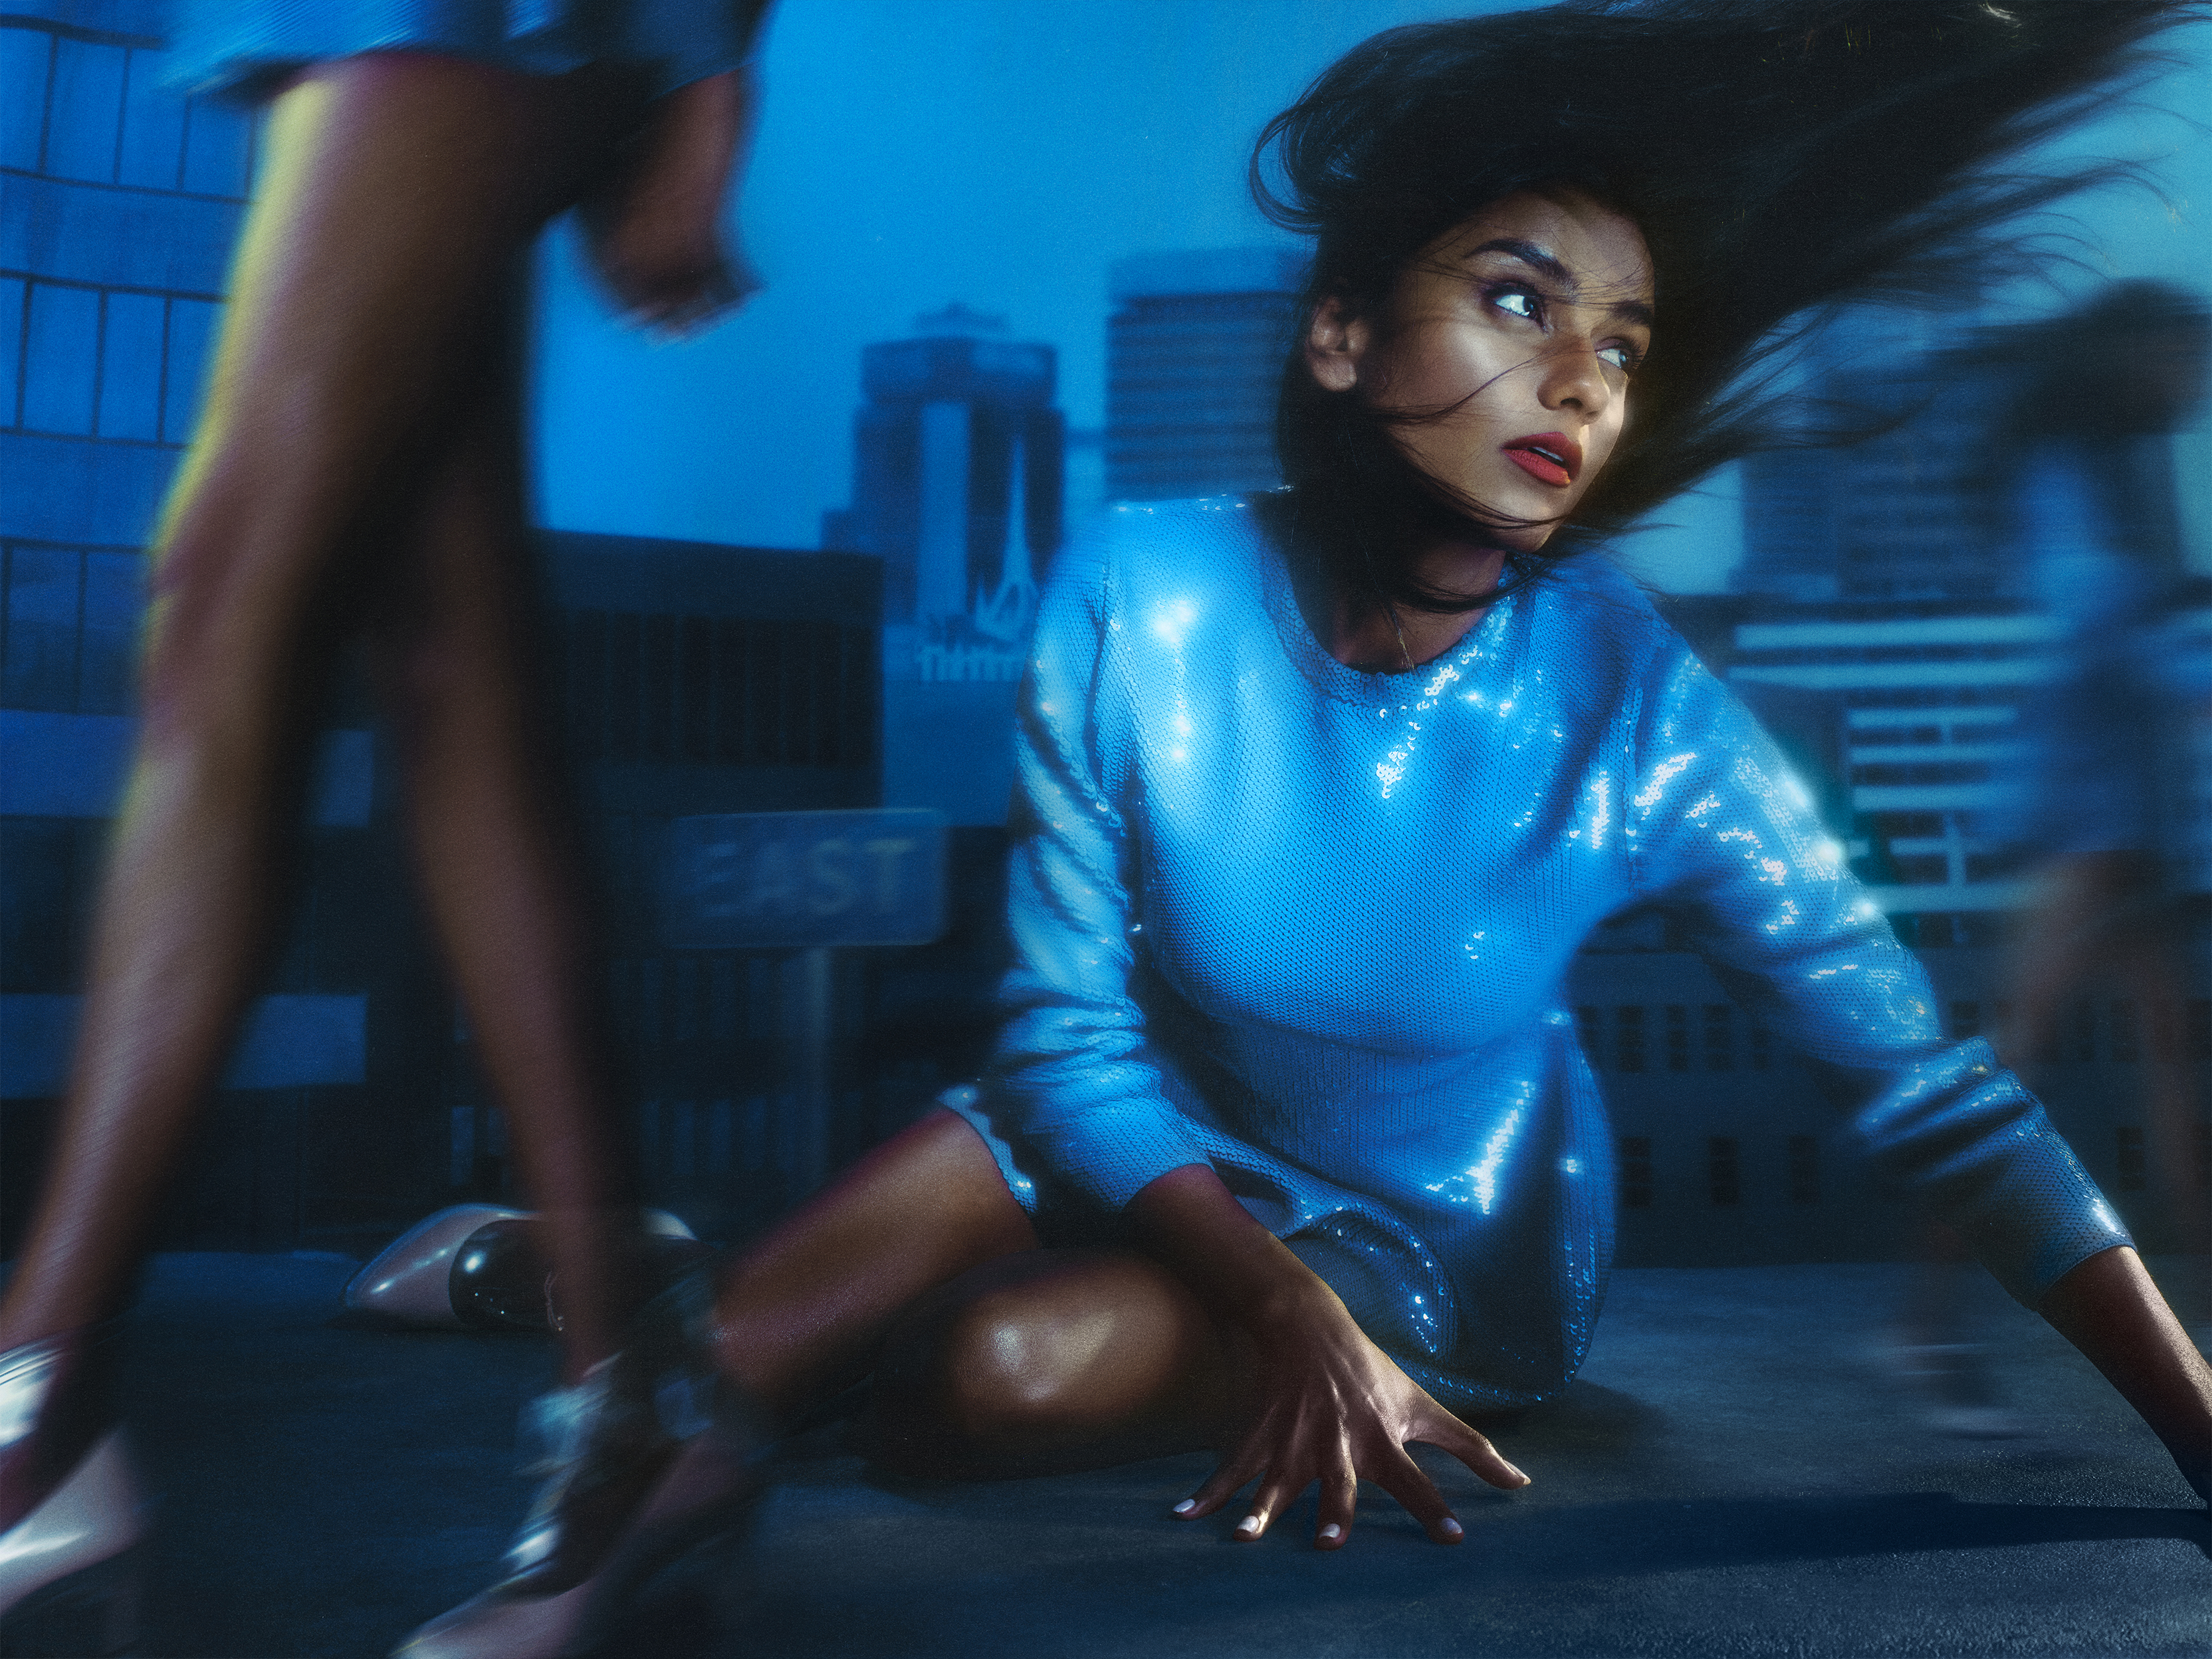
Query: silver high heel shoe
{"points": [[648, 1460], [475, 1266], [409, 1281], [69, 1564]]}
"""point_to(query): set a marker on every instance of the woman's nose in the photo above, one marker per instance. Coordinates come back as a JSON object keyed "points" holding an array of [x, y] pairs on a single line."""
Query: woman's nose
{"points": [[1574, 378]]}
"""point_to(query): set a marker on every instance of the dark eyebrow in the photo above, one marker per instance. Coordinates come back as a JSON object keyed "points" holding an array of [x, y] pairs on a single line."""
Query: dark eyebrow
{"points": [[1634, 311]]}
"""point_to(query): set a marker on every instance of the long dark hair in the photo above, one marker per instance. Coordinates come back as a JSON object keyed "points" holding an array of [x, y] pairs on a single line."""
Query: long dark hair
{"points": [[1781, 157]]}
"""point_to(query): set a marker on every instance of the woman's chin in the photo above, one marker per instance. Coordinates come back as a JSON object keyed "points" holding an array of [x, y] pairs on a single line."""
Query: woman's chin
{"points": [[1487, 541]]}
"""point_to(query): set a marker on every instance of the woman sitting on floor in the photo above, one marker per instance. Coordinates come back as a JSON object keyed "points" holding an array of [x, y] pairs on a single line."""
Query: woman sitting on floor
{"points": [[1289, 1149]]}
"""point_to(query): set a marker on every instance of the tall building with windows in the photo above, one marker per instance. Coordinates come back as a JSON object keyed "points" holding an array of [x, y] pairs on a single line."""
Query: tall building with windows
{"points": [[1911, 724], [957, 456], [692, 679], [1902, 515], [1195, 353]]}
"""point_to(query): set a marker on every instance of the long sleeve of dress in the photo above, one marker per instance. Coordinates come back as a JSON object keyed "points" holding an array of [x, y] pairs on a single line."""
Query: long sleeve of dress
{"points": [[1074, 1067], [1718, 825]]}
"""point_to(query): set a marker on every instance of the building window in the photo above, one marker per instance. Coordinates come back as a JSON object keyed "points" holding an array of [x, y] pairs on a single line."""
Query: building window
{"points": [[1723, 1178], [1636, 1172], [1720, 1037], [1804, 1169], [1678, 1037], [1628, 1037], [2128, 1157], [718, 690]]}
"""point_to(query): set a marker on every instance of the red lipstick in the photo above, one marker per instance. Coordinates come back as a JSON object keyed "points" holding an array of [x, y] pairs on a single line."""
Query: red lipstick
{"points": [[1552, 457]]}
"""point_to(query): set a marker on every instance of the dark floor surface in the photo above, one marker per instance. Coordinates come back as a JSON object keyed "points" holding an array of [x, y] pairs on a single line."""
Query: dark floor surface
{"points": [[1730, 1476]]}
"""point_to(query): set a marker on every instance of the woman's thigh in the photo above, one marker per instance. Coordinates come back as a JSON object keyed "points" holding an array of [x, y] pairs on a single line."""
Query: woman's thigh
{"points": [[398, 195], [1048, 1360]]}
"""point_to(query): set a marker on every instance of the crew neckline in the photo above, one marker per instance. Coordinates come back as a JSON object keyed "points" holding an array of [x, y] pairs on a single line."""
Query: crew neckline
{"points": [[1339, 680]]}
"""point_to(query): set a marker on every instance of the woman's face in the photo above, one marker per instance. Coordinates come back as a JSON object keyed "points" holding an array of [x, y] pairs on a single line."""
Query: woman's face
{"points": [[1524, 324]]}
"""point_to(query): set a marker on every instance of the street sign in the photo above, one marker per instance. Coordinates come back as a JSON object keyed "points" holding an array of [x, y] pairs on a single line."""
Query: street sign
{"points": [[747, 880]]}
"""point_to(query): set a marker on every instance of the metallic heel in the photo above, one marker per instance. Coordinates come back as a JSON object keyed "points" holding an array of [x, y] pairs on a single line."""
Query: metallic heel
{"points": [[499, 1279], [93, 1611], [476, 1267], [67, 1574], [408, 1282], [648, 1461]]}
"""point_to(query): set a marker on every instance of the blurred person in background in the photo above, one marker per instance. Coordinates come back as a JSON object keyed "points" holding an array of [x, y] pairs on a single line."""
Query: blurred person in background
{"points": [[2117, 791], [356, 478], [2117, 765]]}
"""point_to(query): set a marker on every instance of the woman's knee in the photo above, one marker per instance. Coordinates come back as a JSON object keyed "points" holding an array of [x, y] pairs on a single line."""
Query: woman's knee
{"points": [[1037, 1358]]}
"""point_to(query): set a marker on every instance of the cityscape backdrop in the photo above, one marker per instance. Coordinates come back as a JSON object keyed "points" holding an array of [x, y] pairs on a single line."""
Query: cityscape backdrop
{"points": [[791, 566]]}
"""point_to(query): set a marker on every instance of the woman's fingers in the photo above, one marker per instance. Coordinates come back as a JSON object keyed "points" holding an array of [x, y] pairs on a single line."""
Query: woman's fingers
{"points": [[1400, 1476], [1220, 1486], [1340, 1497], [1471, 1449], [1276, 1493]]}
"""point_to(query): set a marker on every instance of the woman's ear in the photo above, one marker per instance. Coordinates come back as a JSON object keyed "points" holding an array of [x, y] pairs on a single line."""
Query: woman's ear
{"points": [[1336, 339]]}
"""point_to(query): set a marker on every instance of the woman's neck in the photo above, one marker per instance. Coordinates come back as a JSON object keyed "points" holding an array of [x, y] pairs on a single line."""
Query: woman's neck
{"points": [[1388, 639]]}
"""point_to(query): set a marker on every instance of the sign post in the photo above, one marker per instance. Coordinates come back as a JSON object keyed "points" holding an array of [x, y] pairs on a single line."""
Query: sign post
{"points": [[812, 882]]}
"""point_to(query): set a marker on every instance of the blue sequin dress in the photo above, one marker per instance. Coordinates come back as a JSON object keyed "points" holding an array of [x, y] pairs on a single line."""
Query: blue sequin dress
{"points": [[241, 47], [1311, 925]]}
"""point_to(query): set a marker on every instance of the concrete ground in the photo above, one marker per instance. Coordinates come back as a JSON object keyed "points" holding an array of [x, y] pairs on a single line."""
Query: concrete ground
{"points": [[1729, 1476]]}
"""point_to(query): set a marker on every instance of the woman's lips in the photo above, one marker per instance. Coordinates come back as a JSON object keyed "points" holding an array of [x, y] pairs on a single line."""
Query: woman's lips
{"points": [[1551, 457]]}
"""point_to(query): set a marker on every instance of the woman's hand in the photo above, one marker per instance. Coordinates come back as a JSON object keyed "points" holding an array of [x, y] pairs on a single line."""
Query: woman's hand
{"points": [[1327, 1405], [1319, 1401], [654, 231]]}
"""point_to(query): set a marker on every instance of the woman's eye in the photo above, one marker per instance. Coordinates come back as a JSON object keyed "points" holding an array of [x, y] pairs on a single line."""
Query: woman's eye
{"points": [[1622, 355], [1517, 302]]}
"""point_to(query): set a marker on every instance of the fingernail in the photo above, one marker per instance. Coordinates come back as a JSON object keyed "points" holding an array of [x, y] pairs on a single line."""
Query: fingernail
{"points": [[1249, 1524], [1186, 1506], [1332, 1530], [1451, 1528]]}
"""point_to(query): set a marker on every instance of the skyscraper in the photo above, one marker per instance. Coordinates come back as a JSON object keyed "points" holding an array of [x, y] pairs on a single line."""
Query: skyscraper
{"points": [[957, 473], [958, 458], [1195, 353], [1903, 665], [1903, 514]]}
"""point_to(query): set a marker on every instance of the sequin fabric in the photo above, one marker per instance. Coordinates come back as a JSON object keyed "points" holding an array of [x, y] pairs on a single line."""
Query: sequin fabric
{"points": [[240, 46], [1311, 925]]}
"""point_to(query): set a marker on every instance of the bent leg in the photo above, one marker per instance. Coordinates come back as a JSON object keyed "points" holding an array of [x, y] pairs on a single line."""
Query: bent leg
{"points": [[398, 192], [1045, 1362], [990, 1355], [802, 1315]]}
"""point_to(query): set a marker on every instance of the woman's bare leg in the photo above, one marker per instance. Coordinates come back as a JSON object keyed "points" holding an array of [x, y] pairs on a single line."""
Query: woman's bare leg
{"points": [[398, 192], [2061, 938], [1045, 1362], [497, 856], [991, 1356], [2103, 913]]}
